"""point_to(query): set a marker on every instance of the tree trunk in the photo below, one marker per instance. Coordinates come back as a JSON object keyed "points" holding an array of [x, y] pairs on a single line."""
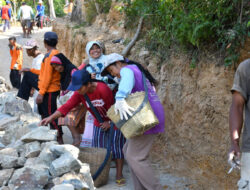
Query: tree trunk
{"points": [[76, 15], [51, 9], [97, 6], [125, 52]]}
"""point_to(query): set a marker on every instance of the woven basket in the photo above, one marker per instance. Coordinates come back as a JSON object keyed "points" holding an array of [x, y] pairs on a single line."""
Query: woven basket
{"points": [[95, 157], [141, 121]]}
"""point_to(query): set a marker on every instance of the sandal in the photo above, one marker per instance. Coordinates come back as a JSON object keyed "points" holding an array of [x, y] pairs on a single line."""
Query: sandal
{"points": [[120, 182]]}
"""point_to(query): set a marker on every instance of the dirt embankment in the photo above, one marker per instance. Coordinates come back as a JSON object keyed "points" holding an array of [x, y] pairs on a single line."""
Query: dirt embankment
{"points": [[196, 101]]}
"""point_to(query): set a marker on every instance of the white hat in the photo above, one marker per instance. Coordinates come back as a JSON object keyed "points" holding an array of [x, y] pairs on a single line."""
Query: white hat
{"points": [[30, 44], [40, 1], [109, 59]]}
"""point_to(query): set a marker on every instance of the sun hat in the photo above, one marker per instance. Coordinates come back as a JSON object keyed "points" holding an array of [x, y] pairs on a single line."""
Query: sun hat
{"points": [[30, 44], [79, 78], [109, 59], [40, 1]]}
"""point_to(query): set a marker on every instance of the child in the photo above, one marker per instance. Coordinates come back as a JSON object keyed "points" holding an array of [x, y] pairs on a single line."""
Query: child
{"points": [[16, 53]]}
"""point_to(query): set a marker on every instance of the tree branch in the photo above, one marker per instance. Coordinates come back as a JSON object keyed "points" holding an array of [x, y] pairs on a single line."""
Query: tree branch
{"points": [[132, 42]]}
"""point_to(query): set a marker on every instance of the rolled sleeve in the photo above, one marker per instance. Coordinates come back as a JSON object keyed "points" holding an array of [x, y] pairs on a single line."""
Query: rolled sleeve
{"points": [[241, 79], [127, 83]]}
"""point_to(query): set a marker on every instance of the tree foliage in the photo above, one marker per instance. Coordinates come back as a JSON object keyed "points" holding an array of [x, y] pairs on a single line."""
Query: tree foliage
{"points": [[221, 24]]}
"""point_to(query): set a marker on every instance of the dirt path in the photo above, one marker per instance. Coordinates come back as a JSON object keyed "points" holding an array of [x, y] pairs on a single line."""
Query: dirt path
{"points": [[4, 49]]}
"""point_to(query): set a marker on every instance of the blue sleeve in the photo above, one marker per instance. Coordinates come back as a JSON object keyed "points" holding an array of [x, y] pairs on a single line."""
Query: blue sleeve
{"points": [[9, 12], [127, 83], [1, 13]]}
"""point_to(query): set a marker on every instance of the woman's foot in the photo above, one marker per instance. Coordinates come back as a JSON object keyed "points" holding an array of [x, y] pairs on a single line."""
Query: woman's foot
{"points": [[120, 181]]}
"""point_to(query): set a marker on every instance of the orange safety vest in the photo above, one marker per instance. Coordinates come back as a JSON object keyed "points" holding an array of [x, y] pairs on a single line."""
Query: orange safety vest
{"points": [[49, 78], [17, 57]]}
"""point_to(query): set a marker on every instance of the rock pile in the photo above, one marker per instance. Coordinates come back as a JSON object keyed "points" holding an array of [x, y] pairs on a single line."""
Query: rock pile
{"points": [[4, 87], [30, 157]]}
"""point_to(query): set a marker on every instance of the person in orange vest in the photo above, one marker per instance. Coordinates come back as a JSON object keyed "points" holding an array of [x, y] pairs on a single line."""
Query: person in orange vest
{"points": [[16, 53], [6, 15]]}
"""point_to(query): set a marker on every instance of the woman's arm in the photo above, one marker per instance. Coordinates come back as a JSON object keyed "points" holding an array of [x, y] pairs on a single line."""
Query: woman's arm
{"points": [[127, 83], [51, 118]]}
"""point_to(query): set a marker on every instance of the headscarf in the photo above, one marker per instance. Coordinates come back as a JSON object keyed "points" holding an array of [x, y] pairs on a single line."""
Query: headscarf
{"points": [[60, 59], [97, 64]]}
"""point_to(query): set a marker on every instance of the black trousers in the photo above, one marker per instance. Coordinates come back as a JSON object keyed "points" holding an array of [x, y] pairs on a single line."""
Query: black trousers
{"points": [[30, 80], [15, 78], [48, 107]]}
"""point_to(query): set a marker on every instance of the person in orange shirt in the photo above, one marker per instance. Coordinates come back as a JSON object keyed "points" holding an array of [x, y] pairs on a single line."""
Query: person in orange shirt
{"points": [[48, 83], [16, 53]]}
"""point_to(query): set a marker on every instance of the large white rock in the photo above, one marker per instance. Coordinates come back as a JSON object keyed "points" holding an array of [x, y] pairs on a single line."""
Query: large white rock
{"points": [[16, 131], [6, 120], [61, 149], [64, 164], [32, 149], [74, 179], [7, 97], [5, 176], [30, 118], [46, 156], [63, 187], [40, 134], [17, 107], [8, 158], [28, 178], [85, 172]]}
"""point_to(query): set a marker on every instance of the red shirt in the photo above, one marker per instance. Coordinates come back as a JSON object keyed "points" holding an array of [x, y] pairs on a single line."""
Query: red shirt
{"points": [[102, 99]]}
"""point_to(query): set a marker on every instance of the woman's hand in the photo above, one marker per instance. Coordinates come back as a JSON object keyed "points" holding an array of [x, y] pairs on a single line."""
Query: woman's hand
{"points": [[39, 99], [105, 125], [123, 108], [46, 121]]}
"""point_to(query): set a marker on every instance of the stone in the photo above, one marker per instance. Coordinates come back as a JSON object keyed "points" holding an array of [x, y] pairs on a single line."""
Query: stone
{"points": [[7, 161], [5, 176], [78, 184], [17, 107], [9, 152], [46, 156], [14, 132], [7, 120], [2, 146], [64, 164], [7, 97], [31, 118], [77, 180], [86, 175], [5, 188], [21, 161], [8, 158], [28, 178], [63, 187], [32, 149], [61, 149], [40, 134]]}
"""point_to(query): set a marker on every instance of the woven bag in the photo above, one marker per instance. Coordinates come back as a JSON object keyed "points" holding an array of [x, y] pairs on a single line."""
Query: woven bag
{"points": [[95, 157], [143, 117], [138, 123]]}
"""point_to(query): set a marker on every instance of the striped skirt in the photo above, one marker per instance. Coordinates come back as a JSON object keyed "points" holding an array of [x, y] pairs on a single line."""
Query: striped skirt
{"points": [[100, 140]]}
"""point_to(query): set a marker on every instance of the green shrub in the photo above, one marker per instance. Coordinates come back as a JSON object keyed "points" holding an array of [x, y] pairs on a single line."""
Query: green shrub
{"points": [[193, 23]]}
